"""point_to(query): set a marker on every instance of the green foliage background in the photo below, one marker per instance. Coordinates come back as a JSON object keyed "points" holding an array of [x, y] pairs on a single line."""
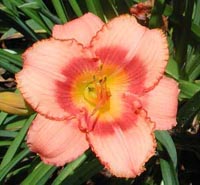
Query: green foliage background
{"points": [[23, 22]]}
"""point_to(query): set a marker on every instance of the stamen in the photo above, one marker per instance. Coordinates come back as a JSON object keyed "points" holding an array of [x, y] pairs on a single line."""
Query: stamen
{"points": [[97, 93]]}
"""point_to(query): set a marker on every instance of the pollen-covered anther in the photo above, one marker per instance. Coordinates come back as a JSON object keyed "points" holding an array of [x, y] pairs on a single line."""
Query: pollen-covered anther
{"points": [[97, 93]]}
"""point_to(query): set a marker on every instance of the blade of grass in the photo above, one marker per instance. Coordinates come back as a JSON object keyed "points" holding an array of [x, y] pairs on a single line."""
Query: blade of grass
{"points": [[188, 111], [195, 29], [172, 68], [39, 175], [46, 12], [3, 116], [168, 172], [188, 89], [17, 171], [10, 6], [52, 17], [113, 7], [31, 5], [60, 10], [16, 125], [12, 58], [95, 7], [42, 180], [16, 143], [5, 133], [75, 6], [69, 170], [5, 143], [42, 4], [31, 11], [8, 66], [19, 25], [83, 172], [47, 21], [168, 169], [165, 139], [196, 18], [11, 119], [5, 170]]}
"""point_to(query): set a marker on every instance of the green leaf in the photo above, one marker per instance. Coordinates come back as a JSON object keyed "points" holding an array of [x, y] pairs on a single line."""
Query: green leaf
{"points": [[10, 6], [168, 10], [16, 143], [168, 172], [172, 68], [4, 63], [11, 57], [196, 17], [192, 67], [195, 29], [31, 5], [51, 16], [18, 24], [83, 173], [11, 33], [188, 89], [75, 7], [5, 143], [95, 7], [39, 175], [15, 125], [5, 170], [60, 9], [165, 139], [3, 116], [188, 111], [33, 14], [69, 170], [5, 133], [156, 15]]}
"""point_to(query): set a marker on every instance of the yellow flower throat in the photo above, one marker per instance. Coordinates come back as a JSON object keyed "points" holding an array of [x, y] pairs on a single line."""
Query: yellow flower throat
{"points": [[98, 94]]}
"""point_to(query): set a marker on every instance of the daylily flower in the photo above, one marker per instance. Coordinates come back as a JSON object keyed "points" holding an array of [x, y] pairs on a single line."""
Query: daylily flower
{"points": [[101, 86]]}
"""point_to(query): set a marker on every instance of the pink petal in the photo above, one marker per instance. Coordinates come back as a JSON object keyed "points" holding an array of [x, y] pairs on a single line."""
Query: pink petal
{"points": [[140, 52], [161, 103], [47, 74], [81, 29], [124, 144], [57, 142]]}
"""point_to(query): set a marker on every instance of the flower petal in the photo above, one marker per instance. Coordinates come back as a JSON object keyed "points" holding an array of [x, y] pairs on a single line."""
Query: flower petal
{"points": [[161, 103], [57, 142], [81, 29], [141, 52], [44, 80], [123, 145]]}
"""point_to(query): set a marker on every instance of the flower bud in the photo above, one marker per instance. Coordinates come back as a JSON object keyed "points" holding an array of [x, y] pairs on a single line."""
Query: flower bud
{"points": [[14, 103]]}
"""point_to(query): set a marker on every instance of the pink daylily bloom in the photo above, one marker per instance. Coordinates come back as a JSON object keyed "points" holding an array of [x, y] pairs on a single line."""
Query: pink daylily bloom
{"points": [[101, 86]]}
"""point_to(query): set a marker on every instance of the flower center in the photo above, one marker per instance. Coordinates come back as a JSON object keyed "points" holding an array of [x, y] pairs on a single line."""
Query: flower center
{"points": [[98, 94]]}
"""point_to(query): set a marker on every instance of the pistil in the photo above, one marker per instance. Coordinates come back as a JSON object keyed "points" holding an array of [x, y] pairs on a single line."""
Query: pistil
{"points": [[97, 93]]}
